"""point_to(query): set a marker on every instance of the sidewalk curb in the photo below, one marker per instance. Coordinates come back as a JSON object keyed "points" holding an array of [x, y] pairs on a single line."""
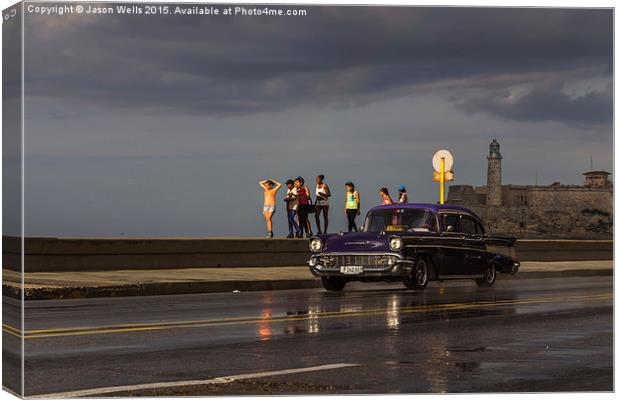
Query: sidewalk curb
{"points": [[168, 288], [157, 289], [567, 273]]}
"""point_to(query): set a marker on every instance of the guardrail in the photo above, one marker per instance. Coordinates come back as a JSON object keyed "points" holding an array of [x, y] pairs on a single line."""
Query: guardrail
{"points": [[83, 254]]}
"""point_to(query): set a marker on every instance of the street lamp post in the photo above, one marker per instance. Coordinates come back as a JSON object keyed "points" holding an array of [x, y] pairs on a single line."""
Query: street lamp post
{"points": [[442, 163], [442, 180]]}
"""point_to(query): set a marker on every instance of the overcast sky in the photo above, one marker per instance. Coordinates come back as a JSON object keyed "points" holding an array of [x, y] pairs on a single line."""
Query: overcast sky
{"points": [[162, 126]]}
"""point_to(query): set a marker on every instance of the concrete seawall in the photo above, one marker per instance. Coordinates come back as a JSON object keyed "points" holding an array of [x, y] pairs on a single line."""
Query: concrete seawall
{"points": [[92, 254], [565, 250]]}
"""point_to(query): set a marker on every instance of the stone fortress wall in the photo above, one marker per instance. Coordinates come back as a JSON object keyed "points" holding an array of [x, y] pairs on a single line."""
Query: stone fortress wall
{"points": [[551, 212]]}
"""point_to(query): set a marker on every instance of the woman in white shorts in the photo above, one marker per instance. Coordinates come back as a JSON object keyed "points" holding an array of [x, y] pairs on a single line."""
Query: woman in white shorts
{"points": [[270, 188], [322, 203]]}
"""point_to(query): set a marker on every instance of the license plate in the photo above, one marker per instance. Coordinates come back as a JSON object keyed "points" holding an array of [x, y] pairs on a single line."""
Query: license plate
{"points": [[351, 269]]}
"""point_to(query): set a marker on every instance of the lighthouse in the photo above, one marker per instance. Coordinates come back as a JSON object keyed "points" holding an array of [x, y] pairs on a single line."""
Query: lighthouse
{"points": [[494, 175]]}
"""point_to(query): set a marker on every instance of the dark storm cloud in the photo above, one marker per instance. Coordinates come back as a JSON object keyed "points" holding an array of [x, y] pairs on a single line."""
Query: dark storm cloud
{"points": [[335, 56], [545, 102]]}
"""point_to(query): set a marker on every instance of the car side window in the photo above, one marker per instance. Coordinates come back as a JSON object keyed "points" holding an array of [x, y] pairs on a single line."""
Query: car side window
{"points": [[479, 228], [468, 225], [431, 223], [450, 223]]}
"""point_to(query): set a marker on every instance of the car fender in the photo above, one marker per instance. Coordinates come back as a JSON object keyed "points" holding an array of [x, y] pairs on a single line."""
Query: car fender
{"points": [[430, 254], [503, 264]]}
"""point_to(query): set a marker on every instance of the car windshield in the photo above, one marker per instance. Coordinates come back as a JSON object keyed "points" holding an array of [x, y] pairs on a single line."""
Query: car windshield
{"points": [[400, 220]]}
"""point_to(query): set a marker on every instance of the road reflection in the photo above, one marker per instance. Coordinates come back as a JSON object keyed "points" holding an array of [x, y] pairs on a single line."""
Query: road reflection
{"points": [[264, 326], [313, 320], [392, 316], [393, 309]]}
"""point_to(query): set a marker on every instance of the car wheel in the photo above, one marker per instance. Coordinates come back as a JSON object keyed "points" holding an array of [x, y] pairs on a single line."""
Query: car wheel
{"points": [[489, 277], [418, 279], [333, 284]]}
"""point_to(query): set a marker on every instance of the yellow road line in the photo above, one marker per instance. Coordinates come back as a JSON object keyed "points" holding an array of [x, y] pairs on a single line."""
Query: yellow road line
{"points": [[232, 319], [321, 315], [11, 328], [253, 318], [237, 319], [18, 335], [184, 324], [12, 331]]}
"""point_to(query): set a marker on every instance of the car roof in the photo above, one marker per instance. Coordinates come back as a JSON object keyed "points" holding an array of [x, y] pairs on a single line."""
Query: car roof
{"points": [[427, 206]]}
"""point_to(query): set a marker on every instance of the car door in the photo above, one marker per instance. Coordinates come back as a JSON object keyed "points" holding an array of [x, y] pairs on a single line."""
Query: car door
{"points": [[473, 244], [451, 251]]}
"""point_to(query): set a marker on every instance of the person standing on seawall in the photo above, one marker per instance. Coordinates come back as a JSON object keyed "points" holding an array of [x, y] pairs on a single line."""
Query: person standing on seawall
{"points": [[385, 196], [291, 209], [352, 205], [322, 203], [403, 197], [303, 208], [270, 188]]}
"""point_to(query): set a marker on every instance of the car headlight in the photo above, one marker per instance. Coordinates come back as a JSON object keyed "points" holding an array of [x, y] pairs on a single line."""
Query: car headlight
{"points": [[396, 243], [316, 245]]}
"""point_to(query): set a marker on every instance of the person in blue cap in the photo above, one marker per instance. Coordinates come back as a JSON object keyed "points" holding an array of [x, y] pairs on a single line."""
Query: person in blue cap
{"points": [[402, 195]]}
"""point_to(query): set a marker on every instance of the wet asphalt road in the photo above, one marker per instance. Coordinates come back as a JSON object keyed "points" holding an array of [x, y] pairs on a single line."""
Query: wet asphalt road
{"points": [[522, 335]]}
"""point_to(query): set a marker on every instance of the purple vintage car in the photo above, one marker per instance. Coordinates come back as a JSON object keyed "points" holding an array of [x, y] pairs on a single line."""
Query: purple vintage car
{"points": [[413, 243]]}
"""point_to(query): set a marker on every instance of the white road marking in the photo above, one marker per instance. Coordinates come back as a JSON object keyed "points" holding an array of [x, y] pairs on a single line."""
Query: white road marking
{"points": [[159, 385]]}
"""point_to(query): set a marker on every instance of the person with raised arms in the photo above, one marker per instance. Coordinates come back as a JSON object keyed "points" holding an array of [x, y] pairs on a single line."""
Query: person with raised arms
{"points": [[270, 188]]}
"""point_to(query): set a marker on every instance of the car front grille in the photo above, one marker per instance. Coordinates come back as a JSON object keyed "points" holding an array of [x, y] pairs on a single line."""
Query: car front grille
{"points": [[371, 261], [347, 260]]}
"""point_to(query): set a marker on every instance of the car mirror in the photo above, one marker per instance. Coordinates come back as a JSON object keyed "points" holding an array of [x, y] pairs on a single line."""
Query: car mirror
{"points": [[449, 228]]}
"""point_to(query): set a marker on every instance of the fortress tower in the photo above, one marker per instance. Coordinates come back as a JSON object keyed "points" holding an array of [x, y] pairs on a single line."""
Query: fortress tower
{"points": [[553, 211], [494, 175]]}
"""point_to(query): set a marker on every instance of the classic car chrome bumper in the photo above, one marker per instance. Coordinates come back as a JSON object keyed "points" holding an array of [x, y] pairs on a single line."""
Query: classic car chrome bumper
{"points": [[372, 265]]}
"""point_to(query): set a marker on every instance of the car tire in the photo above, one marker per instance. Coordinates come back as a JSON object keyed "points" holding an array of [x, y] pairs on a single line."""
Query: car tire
{"points": [[489, 277], [333, 284], [418, 279]]}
